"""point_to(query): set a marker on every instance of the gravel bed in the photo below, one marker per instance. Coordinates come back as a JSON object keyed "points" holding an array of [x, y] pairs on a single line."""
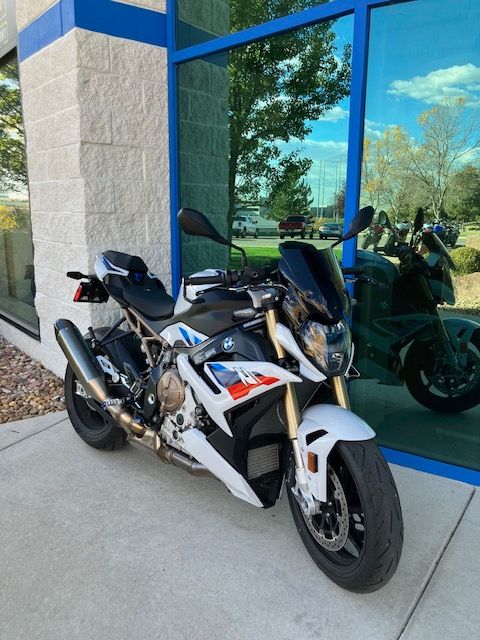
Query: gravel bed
{"points": [[26, 388]]}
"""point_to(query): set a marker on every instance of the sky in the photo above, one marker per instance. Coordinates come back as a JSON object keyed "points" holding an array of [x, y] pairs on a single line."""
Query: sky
{"points": [[420, 53]]}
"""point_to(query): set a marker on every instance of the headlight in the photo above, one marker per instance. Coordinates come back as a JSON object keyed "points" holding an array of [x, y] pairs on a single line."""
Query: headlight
{"points": [[329, 346]]}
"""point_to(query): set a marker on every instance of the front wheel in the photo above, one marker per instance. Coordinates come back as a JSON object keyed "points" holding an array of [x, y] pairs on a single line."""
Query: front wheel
{"points": [[356, 538], [436, 385]]}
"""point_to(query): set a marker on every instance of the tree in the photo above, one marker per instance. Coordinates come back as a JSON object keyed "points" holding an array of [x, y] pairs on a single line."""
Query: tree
{"points": [[293, 197], [276, 88], [339, 201], [463, 198], [450, 131], [13, 170]]}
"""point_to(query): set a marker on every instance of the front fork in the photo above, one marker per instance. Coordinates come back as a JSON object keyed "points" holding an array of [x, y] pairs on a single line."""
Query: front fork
{"points": [[292, 411]]}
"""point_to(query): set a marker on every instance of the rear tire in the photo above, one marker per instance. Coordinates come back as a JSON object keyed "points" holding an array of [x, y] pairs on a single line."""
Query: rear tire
{"points": [[97, 430], [371, 552]]}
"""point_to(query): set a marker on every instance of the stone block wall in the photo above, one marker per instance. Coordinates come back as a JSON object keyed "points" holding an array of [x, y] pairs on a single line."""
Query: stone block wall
{"points": [[96, 125]]}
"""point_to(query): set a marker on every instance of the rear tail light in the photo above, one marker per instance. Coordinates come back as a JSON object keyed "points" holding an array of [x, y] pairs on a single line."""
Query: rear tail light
{"points": [[91, 291]]}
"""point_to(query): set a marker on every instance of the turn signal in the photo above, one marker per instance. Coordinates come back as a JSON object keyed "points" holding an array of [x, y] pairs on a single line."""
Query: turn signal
{"points": [[312, 462]]}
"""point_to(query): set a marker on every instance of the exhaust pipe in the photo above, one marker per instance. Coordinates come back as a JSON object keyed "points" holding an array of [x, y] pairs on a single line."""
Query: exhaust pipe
{"points": [[89, 374], [170, 455]]}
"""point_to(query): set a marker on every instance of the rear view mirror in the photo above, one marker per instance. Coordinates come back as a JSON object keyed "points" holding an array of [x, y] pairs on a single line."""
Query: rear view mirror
{"points": [[419, 221], [194, 223], [382, 218], [361, 221]]}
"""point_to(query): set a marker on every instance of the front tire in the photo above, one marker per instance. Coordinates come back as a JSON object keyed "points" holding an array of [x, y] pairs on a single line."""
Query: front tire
{"points": [[96, 429], [357, 539], [441, 390]]}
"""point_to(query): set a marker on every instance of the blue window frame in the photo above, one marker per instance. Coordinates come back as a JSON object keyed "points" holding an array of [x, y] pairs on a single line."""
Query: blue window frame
{"points": [[361, 10]]}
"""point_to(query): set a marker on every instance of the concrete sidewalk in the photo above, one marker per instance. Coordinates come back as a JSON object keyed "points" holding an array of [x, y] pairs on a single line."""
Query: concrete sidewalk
{"points": [[98, 545]]}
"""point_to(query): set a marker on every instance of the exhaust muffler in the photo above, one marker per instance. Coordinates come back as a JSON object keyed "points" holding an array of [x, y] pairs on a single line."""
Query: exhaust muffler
{"points": [[89, 374]]}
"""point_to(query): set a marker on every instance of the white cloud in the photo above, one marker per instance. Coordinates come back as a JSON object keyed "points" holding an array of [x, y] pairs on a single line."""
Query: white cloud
{"points": [[334, 115], [454, 82]]}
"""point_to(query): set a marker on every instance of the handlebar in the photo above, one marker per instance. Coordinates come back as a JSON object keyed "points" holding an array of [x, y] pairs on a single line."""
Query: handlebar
{"points": [[226, 278], [352, 271]]}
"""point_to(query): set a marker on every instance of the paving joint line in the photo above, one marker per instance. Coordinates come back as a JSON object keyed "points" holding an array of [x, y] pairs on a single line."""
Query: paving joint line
{"points": [[434, 566], [33, 434]]}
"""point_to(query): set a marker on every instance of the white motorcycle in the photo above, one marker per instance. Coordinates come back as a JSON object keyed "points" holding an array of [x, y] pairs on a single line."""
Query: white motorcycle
{"points": [[211, 383]]}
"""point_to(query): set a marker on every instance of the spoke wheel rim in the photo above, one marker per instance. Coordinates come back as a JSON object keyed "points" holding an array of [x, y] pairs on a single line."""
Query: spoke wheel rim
{"points": [[85, 408]]}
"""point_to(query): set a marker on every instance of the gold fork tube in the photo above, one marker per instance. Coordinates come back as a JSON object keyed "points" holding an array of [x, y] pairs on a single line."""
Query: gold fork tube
{"points": [[339, 388], [292, 412]]}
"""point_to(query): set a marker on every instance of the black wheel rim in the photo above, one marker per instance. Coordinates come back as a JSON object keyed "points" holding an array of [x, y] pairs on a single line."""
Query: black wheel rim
{"points": [[353, 548]]}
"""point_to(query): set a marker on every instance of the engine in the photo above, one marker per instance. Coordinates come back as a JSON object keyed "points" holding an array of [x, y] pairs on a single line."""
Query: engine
{"points": [[165, 392]]}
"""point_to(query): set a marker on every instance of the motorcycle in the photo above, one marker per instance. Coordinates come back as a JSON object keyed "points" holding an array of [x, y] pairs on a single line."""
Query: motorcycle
{"points": [[452, 232], [373, 236], [441, 367], [209, 383], [396, 235]]}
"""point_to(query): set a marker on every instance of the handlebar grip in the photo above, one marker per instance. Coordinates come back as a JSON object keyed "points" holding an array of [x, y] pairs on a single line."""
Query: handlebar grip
{"points": [[218, 279]]}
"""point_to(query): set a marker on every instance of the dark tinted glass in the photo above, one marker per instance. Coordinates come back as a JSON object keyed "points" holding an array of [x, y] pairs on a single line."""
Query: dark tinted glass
{"points": [[263, 136], [17, 286], [417, 335], [201, 20]]}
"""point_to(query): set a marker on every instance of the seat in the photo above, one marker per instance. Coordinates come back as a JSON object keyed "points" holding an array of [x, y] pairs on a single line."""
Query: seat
{"points": [[126, 261], [153, 303]]}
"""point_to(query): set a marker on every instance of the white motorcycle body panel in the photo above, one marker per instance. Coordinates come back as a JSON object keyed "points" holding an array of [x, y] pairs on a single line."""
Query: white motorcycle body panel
{"points": [[333, 424], [236, 381], [197, 445], [181, 332], [190, 292]]}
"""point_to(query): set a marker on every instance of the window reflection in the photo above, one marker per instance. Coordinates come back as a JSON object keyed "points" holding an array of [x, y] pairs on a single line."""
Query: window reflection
{"points": [[418, 331], [17, 288], [263, 142], [201, 20]]}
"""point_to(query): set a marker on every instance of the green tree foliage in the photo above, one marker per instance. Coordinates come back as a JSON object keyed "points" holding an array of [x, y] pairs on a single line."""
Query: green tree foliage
{"points": [[290, 195], [13, 170], [463, 198], [277, 87]]}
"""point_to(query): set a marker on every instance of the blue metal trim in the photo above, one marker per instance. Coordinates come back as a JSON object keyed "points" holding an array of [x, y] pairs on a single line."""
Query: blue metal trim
{"points": [[41, 32], [175, 240], [275, 27], [361, 30], [102, 16], [434, 467]]}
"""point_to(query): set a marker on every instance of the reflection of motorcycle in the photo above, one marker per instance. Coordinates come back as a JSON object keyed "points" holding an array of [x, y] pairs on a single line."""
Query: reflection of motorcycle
{"points": [[396, 236], [373, 236], [452, 233], [441, 367]]}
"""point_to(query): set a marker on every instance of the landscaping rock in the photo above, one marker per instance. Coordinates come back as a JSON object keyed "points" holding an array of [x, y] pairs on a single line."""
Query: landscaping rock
{"points": [[26, 388]]}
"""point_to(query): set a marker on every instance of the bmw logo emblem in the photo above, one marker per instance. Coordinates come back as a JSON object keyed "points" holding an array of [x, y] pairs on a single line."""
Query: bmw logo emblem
{"points": [[228, 344]]}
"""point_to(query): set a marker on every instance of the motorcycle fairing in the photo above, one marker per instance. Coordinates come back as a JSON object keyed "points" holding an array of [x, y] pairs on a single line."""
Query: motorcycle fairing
{"points": [[322, 427], [181, 332], [197, 445], [256, 378]]}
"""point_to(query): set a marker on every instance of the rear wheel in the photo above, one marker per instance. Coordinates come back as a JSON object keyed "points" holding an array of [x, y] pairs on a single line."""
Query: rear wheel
{"points": [[93, 425], [356, 539], [436, 385]]}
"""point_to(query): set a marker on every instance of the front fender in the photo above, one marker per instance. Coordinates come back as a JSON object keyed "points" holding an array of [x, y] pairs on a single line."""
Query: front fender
{"points": [[460, 329], [321, 428]]}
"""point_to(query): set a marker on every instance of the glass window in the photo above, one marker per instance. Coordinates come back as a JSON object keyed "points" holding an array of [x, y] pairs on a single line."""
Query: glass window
{"points": [[263, 138], [201, 20], [17, 286], [418, 333]]}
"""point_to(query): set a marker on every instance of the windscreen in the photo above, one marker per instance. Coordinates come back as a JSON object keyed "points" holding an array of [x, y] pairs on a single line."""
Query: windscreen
{"points": [[317, 278]]}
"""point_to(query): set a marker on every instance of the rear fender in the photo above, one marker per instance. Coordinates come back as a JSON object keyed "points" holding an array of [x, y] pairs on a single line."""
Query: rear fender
{"points": [[321, 428]]}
